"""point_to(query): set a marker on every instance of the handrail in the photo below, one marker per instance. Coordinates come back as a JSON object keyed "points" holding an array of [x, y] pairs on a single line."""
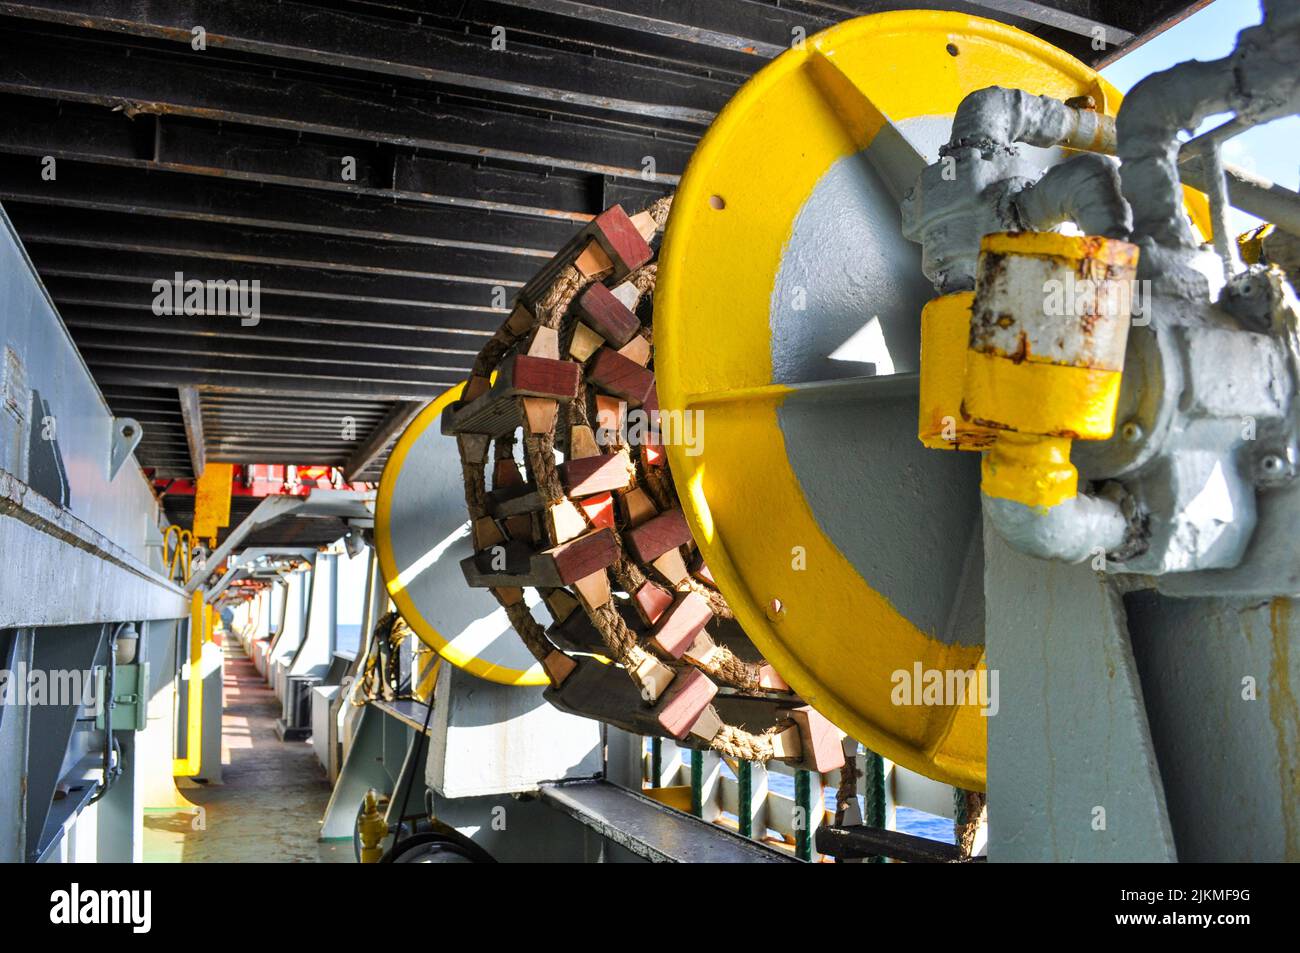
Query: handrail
{"points": [[181, 555], [200, 629]]}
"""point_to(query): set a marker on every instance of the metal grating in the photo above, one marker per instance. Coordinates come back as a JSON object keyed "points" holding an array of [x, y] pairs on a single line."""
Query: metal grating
{"points": [[297, 531], [158, 410], [467, 166], [251, 428]]}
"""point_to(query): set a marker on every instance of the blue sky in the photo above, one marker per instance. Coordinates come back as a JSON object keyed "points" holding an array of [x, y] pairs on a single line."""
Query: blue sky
{"points": [[1209, 34]]}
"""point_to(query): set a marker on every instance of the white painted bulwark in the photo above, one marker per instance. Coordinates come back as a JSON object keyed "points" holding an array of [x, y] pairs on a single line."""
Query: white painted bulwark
{"points": [[486, 738]]}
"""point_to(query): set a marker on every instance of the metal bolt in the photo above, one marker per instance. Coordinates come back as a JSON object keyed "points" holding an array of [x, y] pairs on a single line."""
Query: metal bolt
{"points": [[1272, 465], [1131, 431], [774, 610]]}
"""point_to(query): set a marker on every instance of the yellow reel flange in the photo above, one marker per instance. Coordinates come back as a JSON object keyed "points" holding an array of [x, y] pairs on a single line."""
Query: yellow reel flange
{"points": [[421, 534], [788, 313]]}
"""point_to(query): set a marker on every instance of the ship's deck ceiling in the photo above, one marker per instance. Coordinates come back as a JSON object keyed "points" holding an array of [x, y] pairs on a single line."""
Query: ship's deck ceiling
{"points": [[471, 166]]}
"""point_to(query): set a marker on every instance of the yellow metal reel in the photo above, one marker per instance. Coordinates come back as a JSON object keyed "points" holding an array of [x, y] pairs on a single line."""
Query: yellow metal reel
{"points": [[832, 634]]}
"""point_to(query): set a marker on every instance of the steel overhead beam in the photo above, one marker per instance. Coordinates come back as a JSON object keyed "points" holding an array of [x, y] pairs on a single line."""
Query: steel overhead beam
{"points": [[1146, 21], [158, 395], [341, 504], [130, 267], [192, 415], [1047, 15], [163, 84], [306, 353], [153, 370], [329, 431], [88, 229], [247, 565], [468, 324], [329, 437], [740, 27], [392, 48], [326, 441], [269, 330], [1060, 22], [90, 133], [260, 408], [294, 448], [297, 456], [143, 405], [153, 421], [290, 447], [290, 414], [383, 434], [330, 403], [329, 428], [754, 31], [137, 192], [336, 427]]}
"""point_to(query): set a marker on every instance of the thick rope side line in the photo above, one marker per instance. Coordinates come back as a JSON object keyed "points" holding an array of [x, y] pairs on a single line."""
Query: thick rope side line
{"points": [[737, 743], [970, 811], [529, 629], [620, 640], [492, 353], [847, 793], [659, 210], [473, 477], [552, 311], [723, 666], [553, 305], [539, 450]]}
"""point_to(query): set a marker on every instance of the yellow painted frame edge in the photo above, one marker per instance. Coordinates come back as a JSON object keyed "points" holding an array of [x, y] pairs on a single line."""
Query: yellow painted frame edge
{"points": [[200, 632]]}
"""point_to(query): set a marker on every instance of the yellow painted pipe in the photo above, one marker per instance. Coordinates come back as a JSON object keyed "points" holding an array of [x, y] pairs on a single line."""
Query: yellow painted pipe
{"points": [[200, 629], [181, 554]]}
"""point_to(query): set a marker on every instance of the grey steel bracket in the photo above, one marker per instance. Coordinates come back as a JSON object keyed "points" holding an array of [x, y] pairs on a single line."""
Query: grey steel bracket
{"points": [[126, 437]]}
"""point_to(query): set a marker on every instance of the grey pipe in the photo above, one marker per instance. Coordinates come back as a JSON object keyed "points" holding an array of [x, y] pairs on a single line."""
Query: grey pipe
{"points": [[1085, 190], [1250, 193], [1072, 531], [1258, 81], [997, 116]]}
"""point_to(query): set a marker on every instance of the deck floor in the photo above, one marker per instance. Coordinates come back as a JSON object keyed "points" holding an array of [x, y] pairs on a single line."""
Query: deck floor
{"points": [[269, 806]]}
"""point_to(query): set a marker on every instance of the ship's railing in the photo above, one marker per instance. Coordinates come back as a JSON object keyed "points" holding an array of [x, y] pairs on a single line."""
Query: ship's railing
{"points": [[785, 806]]}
